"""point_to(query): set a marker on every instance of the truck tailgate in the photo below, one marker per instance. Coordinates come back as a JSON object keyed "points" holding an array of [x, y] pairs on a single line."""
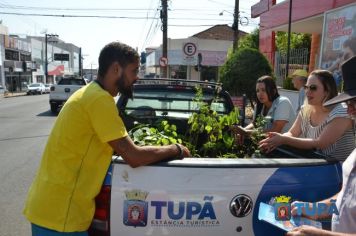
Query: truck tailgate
{"points": [[211, 197], [63, 92]]}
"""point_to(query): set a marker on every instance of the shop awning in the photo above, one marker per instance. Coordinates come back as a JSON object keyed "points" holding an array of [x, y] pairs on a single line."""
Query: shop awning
{"points": [[59, 70]]}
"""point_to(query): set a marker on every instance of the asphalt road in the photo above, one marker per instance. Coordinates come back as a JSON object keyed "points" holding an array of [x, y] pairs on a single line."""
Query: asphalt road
{"points": [[25, 123]]}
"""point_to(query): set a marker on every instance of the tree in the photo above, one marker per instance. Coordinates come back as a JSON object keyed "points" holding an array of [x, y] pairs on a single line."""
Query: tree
{"points": [[242, 69], [297, 40], [251, 40]]}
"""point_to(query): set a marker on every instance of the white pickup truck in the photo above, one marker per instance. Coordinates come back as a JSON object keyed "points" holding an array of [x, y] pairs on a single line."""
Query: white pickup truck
{"points": [[59, 93], [201, 196]]}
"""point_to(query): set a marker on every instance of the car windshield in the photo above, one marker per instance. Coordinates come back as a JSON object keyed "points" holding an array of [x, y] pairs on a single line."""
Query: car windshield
{"points": [[171, 103], [71, 81], [34, 85]]}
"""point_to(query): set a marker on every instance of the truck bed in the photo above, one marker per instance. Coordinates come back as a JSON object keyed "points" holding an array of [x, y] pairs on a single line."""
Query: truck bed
{"points": [[198, 196]]}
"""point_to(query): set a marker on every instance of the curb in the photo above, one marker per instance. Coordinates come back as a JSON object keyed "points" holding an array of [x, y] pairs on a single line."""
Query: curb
{"points": [[10, 95]]}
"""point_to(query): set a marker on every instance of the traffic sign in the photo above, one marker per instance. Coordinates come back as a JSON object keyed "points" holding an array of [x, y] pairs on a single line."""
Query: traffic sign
{"points": [[163, 61], [189, 49]]}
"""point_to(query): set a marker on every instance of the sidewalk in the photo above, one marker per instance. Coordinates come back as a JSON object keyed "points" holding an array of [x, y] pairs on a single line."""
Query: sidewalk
{"points": [[15, 94]]}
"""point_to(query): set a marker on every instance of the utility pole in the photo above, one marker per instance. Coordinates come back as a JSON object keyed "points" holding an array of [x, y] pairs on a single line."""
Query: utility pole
{"points": [[235, 26], [80, 63], [46, 57], [289, 32], [164, 19], [46, 60]]}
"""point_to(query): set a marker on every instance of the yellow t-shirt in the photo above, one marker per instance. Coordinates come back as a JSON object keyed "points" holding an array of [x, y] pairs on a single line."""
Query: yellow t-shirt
{"points": [[75, 161]]}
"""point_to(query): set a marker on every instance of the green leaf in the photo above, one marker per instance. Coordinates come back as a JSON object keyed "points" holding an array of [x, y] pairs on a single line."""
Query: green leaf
{"points": [[208, 128]]}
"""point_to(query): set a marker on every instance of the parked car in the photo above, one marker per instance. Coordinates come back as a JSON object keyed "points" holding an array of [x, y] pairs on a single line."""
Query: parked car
{"points": [[36, 88], [48, 88]]}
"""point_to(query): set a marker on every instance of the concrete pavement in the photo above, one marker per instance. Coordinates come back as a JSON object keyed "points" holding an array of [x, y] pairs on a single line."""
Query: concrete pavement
{"points": [[16, 94]]}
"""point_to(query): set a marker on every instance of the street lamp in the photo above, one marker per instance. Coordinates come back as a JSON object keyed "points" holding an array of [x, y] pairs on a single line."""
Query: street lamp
{"points": [[46, 59], [237, 20]]}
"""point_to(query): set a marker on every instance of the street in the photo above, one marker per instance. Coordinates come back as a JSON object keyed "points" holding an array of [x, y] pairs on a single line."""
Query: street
{"points": [[25, 123]]}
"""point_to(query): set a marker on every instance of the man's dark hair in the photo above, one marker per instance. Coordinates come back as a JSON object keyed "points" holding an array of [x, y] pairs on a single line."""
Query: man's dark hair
{"points": [[116, 52]]}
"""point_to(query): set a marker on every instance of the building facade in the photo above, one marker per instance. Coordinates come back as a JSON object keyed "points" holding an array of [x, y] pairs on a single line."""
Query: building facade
{"points": [[23, 60], [195, 58], [330, 22]]}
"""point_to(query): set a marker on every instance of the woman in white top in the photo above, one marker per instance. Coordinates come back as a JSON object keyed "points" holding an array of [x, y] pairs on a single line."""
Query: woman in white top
{"points": [[275, 109], [326, 129]]}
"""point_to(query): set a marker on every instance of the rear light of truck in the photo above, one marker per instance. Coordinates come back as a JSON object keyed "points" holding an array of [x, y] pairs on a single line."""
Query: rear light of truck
{"points": [[52, 88], [101, 222]]}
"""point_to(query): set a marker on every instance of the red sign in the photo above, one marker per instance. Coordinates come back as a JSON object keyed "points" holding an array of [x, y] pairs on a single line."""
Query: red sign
{"points": [[59, 70], [163, 61]]}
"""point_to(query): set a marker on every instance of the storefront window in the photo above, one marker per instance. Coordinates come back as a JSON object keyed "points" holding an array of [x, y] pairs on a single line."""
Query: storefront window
{"points": [[209, 73], [11, 55], [178, 72]]}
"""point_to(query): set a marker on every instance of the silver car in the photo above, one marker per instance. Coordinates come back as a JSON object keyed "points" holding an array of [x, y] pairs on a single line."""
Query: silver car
{"points": [[36, 88]]}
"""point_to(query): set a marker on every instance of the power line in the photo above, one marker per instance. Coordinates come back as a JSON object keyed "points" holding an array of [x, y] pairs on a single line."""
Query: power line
{"points": [[72, 9], [144, 25], [148, 36], [220, 3], [8, 6], [101, 16]]}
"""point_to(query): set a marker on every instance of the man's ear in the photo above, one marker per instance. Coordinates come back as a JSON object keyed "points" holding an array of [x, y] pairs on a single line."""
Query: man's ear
{"points": [[117, 68]]}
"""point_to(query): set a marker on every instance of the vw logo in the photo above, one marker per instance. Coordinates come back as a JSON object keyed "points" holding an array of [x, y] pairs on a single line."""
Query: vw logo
{"points": [[241, 205]]}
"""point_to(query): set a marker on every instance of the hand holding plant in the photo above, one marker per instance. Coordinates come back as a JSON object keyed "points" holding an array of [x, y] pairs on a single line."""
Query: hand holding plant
{"points": [[270, 143]]}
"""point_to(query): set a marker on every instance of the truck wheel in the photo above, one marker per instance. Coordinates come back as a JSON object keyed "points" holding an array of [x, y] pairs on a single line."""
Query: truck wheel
{"points": [[54, 107]]}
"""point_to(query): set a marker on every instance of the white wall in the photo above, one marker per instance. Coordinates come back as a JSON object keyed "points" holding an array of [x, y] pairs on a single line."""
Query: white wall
{"points": [[291, 94]]}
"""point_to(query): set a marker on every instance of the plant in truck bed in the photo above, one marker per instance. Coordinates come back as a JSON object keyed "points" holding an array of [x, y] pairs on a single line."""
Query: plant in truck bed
{"points": [[208, 133]]}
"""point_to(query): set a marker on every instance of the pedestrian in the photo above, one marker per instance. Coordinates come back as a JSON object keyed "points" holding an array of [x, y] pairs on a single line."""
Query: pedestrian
{"points": [[79, 149], [345, 222], [275, 109], [299, 79], [324, 129]]}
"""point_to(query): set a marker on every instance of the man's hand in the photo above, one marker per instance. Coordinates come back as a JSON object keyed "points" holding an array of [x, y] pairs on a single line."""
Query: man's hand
{"points": [[183, 151]]}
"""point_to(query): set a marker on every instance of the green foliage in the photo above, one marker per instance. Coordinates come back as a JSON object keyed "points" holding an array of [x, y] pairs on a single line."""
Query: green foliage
{"points": [[162, 134], [251, 40], [208, 135], [208, 132], [297, 40], [242, 69], [287, 84], [257, 135]]}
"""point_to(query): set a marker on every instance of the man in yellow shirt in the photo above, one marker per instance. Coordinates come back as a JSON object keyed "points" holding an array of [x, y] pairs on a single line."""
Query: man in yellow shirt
{"points": [[79, 149]]}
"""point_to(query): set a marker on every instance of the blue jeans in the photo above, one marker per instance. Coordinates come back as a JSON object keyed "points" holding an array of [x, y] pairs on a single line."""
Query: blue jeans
{"points": [[40, 231]]}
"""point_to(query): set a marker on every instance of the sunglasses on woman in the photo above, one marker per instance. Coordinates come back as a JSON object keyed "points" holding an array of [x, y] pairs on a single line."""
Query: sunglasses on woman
{"points": [[311, 87]]}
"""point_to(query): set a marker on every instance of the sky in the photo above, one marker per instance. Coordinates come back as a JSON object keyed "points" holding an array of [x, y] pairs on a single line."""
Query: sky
{"points": [[134, 22]]}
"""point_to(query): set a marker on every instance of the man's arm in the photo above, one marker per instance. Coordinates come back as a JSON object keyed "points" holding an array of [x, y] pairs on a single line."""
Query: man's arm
{"points": [[137, 156]]}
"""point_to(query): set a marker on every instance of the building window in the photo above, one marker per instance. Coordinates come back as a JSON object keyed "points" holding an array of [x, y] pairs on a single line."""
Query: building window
{"points": [[209, 73], [25, 57], [11, 55], [178, 72]]}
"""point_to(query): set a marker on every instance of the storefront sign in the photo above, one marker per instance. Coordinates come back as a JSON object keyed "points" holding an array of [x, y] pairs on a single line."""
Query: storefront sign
{"points": [[339, 33]]}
